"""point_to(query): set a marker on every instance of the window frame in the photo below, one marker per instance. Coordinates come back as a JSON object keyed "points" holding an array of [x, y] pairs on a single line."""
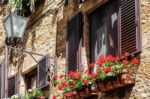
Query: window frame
{"points": [[28, 77]]}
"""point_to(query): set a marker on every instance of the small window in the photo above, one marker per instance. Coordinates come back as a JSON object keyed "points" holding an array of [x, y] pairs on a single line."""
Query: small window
{"points": [[31, 79]]}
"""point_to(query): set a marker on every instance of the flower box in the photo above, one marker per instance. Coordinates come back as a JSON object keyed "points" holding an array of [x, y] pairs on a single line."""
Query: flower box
{"points": [[127, 79]]}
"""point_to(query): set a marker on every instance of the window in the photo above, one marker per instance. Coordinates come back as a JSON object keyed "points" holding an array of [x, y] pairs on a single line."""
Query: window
{"points": [[115, 29], [74, 35], [31, 79], [103, 30]]}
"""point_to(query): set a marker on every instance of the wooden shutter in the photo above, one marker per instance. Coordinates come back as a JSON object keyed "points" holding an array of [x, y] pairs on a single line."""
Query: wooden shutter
{"points": [[12, 85], [130, 26], [42, 73], [74, 35]]}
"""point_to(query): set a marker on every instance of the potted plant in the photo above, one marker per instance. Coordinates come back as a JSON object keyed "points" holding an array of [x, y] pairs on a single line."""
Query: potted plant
{"points": [[34, 94], [111, 71]]}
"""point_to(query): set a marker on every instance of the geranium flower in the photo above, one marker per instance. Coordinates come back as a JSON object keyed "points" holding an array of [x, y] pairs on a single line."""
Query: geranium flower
{"points": [[71, 83], [125, 62], [117, 58], [60, 87], [91, 65], [92, 75], [54, 97], [78, 75], [110, 58], [85, 81], [70, 94], [135, 61], [64, 83], [72, 74], [62, 76], [126, 54], [107, 70], [55, 77]]}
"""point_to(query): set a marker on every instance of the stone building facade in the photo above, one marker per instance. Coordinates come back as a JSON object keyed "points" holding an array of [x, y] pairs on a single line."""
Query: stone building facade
{"points": [[46, 34]]}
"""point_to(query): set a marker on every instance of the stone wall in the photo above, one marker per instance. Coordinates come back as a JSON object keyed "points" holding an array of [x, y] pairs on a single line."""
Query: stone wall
{"points": [[46, 34]]}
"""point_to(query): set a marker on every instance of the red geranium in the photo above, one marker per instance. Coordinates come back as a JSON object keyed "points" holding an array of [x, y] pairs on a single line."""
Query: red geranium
{"points": [[60, 87], [126, 62], [117, 58], [54, 97], [64, 83], [107, 70], [92, 75], [135, 61], [85, 81], [70, 94], [71, 83], [72, 74], [55, 77], [110, 58], [61, 76], [91, 65], [126, 54]]}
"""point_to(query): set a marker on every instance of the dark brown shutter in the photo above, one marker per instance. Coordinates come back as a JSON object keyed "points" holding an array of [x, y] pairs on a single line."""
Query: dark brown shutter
{"points": [[43, 73], [12, 85], [130, 26], [74, 35]]}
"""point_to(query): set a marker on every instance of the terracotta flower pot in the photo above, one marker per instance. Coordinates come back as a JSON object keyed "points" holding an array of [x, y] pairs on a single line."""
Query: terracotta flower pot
{"points": [[94, 89], [81, 93], [108, 84], [100, 86], [127, 79], [69, 97], [116, 81], [76, 96], [40, 97], [87, 91]]}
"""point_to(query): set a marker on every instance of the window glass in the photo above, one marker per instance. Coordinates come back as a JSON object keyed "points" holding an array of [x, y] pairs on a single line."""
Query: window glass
{"points": [[104, 30]]}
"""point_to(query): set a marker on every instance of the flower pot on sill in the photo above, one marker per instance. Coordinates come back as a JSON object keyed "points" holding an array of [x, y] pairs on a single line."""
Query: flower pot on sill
{"points": [[127, 79], [100, 86], [69, 97], [81, 93], [116, 81], [76, 96], [108, 84], [87, 91], [40, 97], [94, 89]]}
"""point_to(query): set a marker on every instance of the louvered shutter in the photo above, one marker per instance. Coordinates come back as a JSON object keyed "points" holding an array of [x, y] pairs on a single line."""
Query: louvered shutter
{"points": [[43, 73], [12, 86], [74, 35], [130, 26]]}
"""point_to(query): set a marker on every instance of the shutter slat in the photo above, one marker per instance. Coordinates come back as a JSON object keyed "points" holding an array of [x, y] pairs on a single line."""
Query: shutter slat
{"points": [[129, 32], [74, 33]]}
